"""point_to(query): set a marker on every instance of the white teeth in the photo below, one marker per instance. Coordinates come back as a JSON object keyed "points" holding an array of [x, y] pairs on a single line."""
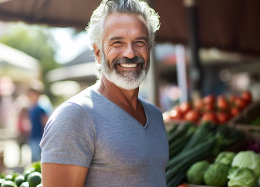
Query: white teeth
{"points": [[128, 65]]}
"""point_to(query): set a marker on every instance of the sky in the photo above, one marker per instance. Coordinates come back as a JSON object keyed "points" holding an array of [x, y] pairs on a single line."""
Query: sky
{"points": [[70, 44]]}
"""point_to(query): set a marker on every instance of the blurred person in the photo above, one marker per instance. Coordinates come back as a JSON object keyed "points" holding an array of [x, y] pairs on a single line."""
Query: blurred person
{"points": [[38, 119], [23, 128], [106, 135]]}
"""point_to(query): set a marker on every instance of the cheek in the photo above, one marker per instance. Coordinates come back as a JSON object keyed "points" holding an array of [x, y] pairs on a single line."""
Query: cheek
{"points": [[145, 54], [113, 54]]}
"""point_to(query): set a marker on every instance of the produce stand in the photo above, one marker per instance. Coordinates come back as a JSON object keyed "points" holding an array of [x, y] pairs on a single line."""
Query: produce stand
{"points": [[248, 121]]}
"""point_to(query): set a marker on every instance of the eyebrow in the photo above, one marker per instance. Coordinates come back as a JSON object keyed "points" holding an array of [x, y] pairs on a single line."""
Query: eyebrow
{"points": [[115, 38], [120, 38]]}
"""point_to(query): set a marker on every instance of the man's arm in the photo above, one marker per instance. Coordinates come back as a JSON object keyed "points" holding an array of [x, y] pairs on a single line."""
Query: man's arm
{"points": [[44, 119], [62, 175]]}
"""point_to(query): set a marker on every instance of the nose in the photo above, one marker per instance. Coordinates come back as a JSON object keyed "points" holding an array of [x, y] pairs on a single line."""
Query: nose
{"points": [[129, 51]]}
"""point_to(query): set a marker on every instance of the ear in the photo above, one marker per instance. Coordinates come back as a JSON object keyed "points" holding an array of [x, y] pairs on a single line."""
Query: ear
{"points": [[97, 53]]}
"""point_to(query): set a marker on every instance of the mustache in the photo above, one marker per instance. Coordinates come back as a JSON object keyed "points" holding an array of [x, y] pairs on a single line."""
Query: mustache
{"points": [[125, 60]]}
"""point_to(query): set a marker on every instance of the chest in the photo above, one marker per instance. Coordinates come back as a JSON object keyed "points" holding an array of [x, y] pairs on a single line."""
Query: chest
{"points": [[126, 144]]}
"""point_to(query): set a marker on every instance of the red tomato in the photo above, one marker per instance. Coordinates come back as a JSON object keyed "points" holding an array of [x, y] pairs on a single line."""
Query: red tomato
{"points": [[185, 107], [175, 114], [192, 115], [246, 95], [222, 103], [209, 116], [183, 185], [232, 99], [240, 103], [209, 108], [222, 117], [198, 104], [235, 111], [210, 99]]}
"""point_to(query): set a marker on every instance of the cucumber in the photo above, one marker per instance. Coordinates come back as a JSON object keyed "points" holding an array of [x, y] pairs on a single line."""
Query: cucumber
{"points": [[176, 146], [184, 159], [176, 180], [178, 132]]}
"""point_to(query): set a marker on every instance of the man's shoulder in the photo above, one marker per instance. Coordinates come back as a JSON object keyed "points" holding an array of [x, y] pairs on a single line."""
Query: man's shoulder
{"points": [[84, 98]]}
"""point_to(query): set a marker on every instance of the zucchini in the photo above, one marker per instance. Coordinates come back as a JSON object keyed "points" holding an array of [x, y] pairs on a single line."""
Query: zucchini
{"points": [[176, 180], [177, 145], [179, 132], [182, 158], [174, 128], [201, 135]]}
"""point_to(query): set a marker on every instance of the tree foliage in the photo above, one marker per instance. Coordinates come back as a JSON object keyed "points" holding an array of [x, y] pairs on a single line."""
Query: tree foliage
{"points": [[35, 41]]}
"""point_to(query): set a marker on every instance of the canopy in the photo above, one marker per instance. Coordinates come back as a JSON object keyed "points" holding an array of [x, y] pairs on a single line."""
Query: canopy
{"points": [[230, 25], [17, 64]]}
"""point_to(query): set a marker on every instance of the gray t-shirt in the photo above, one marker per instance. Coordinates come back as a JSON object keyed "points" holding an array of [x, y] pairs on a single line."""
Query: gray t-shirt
{"points": [[90, 131]]}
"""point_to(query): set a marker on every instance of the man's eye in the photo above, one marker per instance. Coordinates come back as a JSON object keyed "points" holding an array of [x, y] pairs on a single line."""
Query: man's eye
{"points": [[117, 43], [140, 43]]}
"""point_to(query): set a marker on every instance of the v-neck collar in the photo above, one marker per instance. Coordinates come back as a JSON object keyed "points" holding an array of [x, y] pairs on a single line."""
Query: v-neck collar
{"points": [[142, 103]]}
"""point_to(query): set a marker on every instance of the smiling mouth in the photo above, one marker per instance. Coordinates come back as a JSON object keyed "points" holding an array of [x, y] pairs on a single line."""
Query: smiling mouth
{"points": [[132, 65]]}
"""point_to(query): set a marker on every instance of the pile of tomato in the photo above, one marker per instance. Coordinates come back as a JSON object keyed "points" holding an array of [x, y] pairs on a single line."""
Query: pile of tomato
{"points": [[218, 109]]}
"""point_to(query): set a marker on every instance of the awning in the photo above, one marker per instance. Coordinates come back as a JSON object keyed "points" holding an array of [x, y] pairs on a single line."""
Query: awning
{"points": [[17, 65], [230, 25]]}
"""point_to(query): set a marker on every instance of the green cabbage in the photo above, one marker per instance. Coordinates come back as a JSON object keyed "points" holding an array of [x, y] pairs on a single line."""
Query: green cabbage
{"points": [[242, 177], [225, 158], [247, 159], [196, 172], [216, 175]]}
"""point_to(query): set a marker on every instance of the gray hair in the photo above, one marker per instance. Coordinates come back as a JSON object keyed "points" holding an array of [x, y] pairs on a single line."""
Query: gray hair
{"points": [[107, 7]]}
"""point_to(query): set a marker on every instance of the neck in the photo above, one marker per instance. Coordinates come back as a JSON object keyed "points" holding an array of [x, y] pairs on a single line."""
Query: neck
{"points": [[126, 99]]}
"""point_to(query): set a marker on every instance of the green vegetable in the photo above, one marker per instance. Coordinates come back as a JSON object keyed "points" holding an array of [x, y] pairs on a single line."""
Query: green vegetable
{"points": [[248, 159], [176, 146], [2, 181], [34, 179], [8, 184], [174, 128], [26, 173], [196, 172], [2, 175], [201, 134], [25, 184], [177, 179], [216, 175], [37, 166], [178, 132], [225, 158], [242, 177], [19, 180], [184, 160], [9, 178]]}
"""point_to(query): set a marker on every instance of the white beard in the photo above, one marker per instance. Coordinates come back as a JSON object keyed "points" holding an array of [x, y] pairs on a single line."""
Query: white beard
{"points": [[128, 80]]}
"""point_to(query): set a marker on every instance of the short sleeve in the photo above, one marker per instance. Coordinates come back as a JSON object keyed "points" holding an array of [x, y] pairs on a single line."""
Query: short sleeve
{"points": [[69, 137]]}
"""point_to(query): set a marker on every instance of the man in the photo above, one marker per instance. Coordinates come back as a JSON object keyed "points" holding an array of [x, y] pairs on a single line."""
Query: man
{"points": [[106, 136], [38, 119]]}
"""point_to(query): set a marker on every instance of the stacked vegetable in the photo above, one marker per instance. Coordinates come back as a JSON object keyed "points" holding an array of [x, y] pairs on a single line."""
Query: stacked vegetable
{"points": [[210, 108], [30, 178], [229, 169], [189, 144]]}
